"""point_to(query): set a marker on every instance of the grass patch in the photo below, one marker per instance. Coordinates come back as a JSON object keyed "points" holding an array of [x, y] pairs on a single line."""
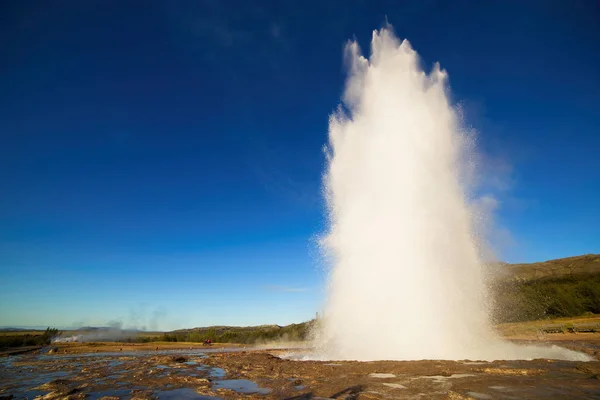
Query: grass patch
{"points": [[28, 338], [550, 298], [534, 327]]}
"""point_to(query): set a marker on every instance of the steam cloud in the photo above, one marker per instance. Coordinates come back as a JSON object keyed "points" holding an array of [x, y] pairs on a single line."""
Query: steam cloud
{"points": [[405, 232]]}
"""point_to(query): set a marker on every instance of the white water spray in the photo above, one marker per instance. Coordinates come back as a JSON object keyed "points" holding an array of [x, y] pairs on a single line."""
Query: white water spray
{"points": [[407, 281]]}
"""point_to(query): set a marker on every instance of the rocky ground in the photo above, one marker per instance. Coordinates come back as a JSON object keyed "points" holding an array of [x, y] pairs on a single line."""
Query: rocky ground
{"points": [[172, 372]]}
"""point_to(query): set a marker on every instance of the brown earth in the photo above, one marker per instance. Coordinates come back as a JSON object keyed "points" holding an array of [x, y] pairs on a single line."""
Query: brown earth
{"points": [[411, 379], [109, 347], [141, 372]]}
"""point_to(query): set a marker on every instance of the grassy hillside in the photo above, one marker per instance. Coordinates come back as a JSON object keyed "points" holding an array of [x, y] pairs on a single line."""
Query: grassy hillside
{"points": [[565, 287], [250, 335], [579, 266]]}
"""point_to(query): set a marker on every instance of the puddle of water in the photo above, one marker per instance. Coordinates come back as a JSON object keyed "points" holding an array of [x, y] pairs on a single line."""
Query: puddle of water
{"points": [[240, 386], [25, 383], [190, 363], [181, 394], [42, 377], [381, 375], [216, 372], [115, 363], [481, 396], [299, 387], [497, 387], [33, 394], [121, 393]]}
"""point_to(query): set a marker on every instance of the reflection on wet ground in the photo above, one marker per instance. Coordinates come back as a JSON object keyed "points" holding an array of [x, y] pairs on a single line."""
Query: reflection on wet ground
{"points": [[177, 374], [182, 394], [240, 386], [216, 372], [137, 375]]}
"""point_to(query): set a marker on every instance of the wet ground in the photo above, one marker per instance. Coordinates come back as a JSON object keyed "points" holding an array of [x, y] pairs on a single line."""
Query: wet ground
{"points": [[199, 373]]}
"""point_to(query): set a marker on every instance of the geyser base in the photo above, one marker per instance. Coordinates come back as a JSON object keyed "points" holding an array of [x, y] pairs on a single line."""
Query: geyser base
{"points": [[493, 351]]}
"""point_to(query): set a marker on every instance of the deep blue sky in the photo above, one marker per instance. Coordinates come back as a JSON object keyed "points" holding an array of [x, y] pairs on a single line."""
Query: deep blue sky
{"points": [[160, 161]]}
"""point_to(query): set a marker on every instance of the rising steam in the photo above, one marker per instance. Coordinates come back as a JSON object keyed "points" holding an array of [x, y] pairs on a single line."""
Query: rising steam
{"points": [[404, 230]]}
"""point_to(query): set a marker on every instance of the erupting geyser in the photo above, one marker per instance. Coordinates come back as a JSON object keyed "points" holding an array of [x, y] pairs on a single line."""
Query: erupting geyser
{"points": [[407, 280]]}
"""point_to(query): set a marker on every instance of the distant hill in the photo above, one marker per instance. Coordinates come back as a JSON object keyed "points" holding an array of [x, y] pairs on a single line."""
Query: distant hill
{"points": [[565, 287], [588, 264], [22, 329], [241, 334], [89, 329], [224, 328]]}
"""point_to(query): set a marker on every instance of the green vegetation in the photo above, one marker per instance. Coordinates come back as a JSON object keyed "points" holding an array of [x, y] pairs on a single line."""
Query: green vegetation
{"points": [[29, 338], [228, 334], [560, 325], [588, 264], [566, 296]]}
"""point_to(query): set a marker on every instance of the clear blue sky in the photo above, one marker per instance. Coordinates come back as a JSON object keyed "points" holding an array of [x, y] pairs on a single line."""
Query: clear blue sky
{"points": [[160, 164]]}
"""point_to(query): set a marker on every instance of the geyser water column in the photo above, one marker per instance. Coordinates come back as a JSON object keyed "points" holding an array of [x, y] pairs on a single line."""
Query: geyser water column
{"points": [[407, 279]]}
